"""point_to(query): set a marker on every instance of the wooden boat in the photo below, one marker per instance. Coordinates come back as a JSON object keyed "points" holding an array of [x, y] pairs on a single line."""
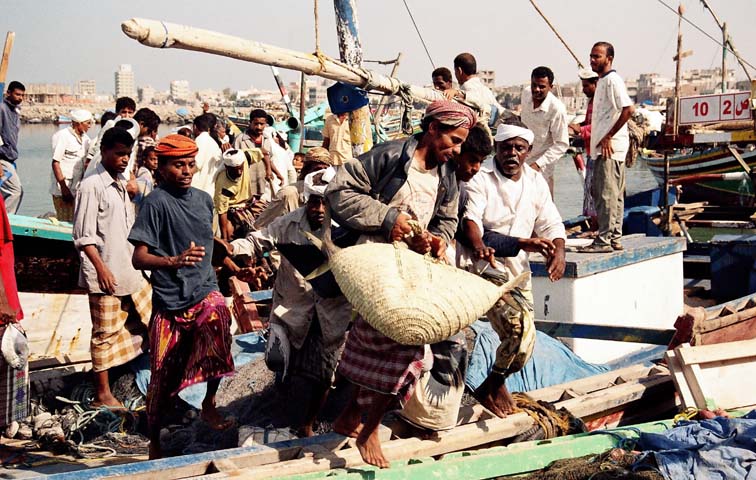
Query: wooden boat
{"points": [[708, 161]]}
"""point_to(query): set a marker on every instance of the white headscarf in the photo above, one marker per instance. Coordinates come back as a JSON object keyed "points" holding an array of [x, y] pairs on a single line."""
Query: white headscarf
{"points": [[505, 132], [234, 158], [315, 183], [80, 115]]}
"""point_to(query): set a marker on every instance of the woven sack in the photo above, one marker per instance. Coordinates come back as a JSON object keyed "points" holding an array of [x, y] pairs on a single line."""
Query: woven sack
{"points": [[409, 297]]}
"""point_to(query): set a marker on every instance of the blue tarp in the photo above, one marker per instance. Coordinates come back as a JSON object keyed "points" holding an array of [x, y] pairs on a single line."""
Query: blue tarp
{"points": [[720, 448], [552, 362], [244, 348]]}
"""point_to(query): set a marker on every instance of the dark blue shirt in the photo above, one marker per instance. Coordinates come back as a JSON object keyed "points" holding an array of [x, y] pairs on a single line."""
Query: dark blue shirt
{"points": [[168, 220], [10, 123]]}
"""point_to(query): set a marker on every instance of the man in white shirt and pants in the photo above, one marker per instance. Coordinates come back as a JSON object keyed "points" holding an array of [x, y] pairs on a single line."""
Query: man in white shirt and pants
{"points": [[545, 115], [612, 108]]}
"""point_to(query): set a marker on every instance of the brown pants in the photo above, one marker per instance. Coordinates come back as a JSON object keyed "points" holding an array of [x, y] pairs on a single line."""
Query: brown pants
{"points": [[608, 191]]}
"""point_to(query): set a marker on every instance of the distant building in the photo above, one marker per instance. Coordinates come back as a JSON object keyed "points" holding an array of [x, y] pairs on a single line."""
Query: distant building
{"points": [[317, 91], [180, 92], [49, 93], [86, 88], [651, 87], [124, 82], [146, 95], [488, 77]]}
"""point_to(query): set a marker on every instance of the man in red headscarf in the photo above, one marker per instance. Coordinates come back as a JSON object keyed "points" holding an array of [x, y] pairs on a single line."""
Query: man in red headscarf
{"points": [[378, 196], [190, 336]]}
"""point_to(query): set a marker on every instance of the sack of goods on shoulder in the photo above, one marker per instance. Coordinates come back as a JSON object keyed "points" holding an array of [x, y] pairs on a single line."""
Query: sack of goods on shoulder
{"points": [[409, 297]]}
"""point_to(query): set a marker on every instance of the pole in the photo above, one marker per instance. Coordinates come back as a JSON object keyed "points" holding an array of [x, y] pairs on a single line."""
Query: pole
{"points": [[9, 38], [302, 108], [350, 51], [728, 41], [724, 57], [382, 103], [282, 89], [553, 29], [665, 196], [676, 124]]}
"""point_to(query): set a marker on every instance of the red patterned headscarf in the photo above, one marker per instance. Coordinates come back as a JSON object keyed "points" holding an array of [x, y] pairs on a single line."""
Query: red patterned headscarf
{"points": [[451, 113], [177, 146]]}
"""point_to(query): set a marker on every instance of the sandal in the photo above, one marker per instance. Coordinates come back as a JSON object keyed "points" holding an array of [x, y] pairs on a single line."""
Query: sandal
{"points": [[594, 248]]}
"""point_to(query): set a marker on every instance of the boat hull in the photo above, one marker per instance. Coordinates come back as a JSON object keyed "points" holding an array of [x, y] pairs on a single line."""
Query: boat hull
{"points": [[710, 161]]}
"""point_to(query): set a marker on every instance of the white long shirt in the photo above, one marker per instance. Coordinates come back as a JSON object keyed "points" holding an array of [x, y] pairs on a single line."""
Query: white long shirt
{"points": [[549, 124], [69, 151], [516, 208], [209, 161], [476, 92], [610, 98]]}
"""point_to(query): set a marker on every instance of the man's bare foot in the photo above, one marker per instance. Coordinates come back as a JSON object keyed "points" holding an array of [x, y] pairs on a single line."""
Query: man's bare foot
{"points": [[369, 446], [107, 400], [155, 451], [213, 418], [349, 423]]}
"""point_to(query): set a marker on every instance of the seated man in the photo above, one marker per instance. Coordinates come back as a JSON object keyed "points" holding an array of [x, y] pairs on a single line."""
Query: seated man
{"points": [[507, 203], [232, 192], [304, 316]]}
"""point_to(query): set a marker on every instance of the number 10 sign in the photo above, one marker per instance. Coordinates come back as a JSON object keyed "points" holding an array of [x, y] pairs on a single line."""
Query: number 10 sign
{"points": [[715, 108]]}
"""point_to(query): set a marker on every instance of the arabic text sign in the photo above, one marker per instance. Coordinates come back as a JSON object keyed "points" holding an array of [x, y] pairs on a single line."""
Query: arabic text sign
{"points": [[715, 108]]}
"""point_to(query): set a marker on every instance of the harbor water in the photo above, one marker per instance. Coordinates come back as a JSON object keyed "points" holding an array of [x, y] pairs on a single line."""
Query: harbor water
{"points": [[35, 153]]}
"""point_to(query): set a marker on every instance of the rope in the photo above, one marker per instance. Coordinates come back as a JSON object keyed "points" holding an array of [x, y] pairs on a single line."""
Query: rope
{"points": [[405, 93], [318, 53], [419, 34], [553, 29]]}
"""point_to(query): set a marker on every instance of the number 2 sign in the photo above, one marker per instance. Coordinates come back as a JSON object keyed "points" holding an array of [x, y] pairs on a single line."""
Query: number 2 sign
{"points": [[715, 108]]}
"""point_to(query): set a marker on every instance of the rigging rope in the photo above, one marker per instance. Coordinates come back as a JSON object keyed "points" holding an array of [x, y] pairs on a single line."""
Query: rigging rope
{"points": [[419, 34], [318, 53], [705, 33]]}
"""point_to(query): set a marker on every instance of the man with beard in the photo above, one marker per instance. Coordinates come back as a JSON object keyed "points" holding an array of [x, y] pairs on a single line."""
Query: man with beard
{"points": [[253, 137], [504, 201], [10, 124], [377, 196], [546, 116], [612, 108]]}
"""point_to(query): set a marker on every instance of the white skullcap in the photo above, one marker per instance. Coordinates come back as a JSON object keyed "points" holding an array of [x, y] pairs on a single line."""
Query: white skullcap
{"points": [[315, 183], [505, 132], [234, 158], [133, 129], [80, 115], [586, 74]]}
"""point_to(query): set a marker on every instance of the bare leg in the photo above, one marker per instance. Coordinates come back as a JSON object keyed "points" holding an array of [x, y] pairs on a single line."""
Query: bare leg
{"points": [[209, 413], [493, 395], [349, 422], [318, 397], [103, 395], [368, 442]]}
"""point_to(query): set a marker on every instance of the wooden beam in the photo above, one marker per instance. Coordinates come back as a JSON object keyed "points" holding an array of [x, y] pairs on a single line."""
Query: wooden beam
{"points": [[5, 61], [655, 336]]}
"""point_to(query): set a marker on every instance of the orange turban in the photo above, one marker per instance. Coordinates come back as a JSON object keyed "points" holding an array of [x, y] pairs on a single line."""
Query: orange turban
{"points": [[177, 146]]}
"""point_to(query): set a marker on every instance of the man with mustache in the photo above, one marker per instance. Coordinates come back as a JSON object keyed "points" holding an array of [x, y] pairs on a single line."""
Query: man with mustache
{"points": [[505, 201]]}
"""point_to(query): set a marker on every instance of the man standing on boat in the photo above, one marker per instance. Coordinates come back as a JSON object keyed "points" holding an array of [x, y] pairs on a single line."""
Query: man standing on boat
{"points": [[260, 173], [119, 297], [472, 89], [377, 195], [612, 108], [10, 124], [70, 147], [546, 116]]}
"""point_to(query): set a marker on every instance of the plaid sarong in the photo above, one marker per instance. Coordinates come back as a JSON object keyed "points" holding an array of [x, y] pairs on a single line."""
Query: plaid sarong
{"points": [[187, 347], [119, 327], [379, 365], [14, 391]]}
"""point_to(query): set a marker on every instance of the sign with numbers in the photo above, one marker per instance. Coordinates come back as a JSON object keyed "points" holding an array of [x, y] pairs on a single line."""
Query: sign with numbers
{"points": [[715, 108]]}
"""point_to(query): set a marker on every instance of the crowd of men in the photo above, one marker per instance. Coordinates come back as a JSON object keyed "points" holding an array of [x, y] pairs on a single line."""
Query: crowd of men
{"points": [[196, 207]]}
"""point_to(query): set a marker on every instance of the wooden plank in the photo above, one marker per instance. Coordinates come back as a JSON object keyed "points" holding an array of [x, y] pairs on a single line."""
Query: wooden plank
{"points": [[59, 360], [590, 384], [655, 336], [5, 61], [717, 352], [686, 397]]}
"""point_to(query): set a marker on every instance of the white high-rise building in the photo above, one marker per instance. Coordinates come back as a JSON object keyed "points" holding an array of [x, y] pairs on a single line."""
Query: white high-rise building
{"points": [[180, 90], [146, 94], [124, 82], [86, 88]]}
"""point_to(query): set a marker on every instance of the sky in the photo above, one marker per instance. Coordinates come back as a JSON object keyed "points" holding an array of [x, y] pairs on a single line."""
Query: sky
{"points": [[62, 41]]}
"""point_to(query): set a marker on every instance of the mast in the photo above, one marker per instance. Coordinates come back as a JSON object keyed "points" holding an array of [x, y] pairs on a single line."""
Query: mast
{"points": [[678, 59], [727, 40], [9, 38], [350, 51], [724, 57]]}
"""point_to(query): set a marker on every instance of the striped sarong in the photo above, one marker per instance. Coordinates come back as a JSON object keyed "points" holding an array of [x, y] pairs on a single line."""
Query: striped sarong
{"points": [[380, 365], [14, 391], [119, 327], [187, 347]]}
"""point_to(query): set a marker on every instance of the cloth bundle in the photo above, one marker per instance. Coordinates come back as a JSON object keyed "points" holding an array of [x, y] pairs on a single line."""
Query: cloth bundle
{"points": [[409, 297]]}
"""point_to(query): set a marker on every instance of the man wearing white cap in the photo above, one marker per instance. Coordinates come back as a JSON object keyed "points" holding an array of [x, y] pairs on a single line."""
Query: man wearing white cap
{"points": [[308, 319], [70, 147], [589, 79], [545, 115], [509, 200], [232, 191]]}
